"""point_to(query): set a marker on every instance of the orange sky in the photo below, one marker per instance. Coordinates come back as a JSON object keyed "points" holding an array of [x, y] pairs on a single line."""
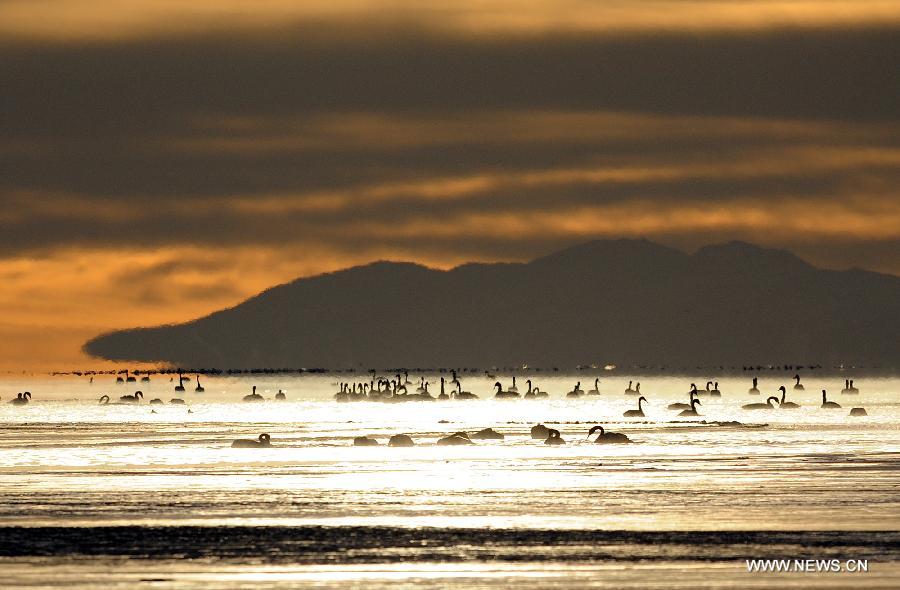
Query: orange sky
{"points": [[165, 159]]}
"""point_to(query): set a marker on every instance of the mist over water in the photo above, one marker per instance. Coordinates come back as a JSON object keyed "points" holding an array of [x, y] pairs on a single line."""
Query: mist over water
{"points": [[725, 486]]}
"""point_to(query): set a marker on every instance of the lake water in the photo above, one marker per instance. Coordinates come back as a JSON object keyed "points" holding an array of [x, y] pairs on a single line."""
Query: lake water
{"points": [[102, 496]]}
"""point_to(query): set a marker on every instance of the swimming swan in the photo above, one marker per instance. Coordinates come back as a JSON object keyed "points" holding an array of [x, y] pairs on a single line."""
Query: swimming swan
{"points": [[639, 412], [199, 388], [797, 385], [504, 394], [754, 390], [540, 432], [253, 397], [457, 439], [554, 437], [608, 437], [827, 404], [766, 406], [132, 399], [786, 405], [858, 412], [487, 434], [364, 441], [21, 399], [577, 391], [681, 405], [401, 440], [692, 411], [244, 443]]}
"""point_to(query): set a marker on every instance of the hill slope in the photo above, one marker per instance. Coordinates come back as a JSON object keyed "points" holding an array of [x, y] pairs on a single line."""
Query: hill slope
{"points": [[622, 301]]}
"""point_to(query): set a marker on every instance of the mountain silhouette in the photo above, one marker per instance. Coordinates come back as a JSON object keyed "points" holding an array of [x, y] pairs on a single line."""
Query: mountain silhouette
{"points": [[617, 301]]}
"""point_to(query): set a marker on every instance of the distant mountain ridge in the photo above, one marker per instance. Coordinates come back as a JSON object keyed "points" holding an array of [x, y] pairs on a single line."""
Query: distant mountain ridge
{"points": [[619, 301]]}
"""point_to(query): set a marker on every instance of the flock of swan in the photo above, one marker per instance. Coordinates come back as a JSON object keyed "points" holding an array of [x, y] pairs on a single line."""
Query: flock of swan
{"points": [[550, 436], [399, 390], [389, 390]]}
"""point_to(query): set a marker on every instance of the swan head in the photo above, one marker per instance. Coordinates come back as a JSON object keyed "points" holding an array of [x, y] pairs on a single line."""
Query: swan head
{"points": [[264, 438], [782, 389], [642, 399], [770, 399], [595, 429]]}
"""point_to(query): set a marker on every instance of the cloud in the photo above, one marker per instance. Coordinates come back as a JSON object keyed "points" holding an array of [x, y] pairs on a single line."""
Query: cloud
{"points": [[160, 161], [98, 20]]}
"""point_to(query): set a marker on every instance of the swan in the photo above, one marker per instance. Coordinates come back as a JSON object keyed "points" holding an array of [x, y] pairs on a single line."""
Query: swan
{"points": [[639, 412], [754, 390], [401, 440], [681, 405], [786, 405], [176, 401], [530, 393], [180, 386], [129, 378], [596, 389], [280, 396], [119, 379], [513, 387], [443, 395], [630, 391], [455, 381], [715, 390], [693, 389], [554, 437], [797, 385], [132, 399], [539, 431], [577, 391], [423, 386], [156, 402], [104, 400], [21, 399], [858, 412], [145, 379], [253, 397], [504, 394], [692, 411], [487, 434], [244, 443], [706, 391], [364, 441], [848, 387], [540, 394], [766, 406], [454, 440], [199, 388], [608, 437], [827, 404], [460, 394]]}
